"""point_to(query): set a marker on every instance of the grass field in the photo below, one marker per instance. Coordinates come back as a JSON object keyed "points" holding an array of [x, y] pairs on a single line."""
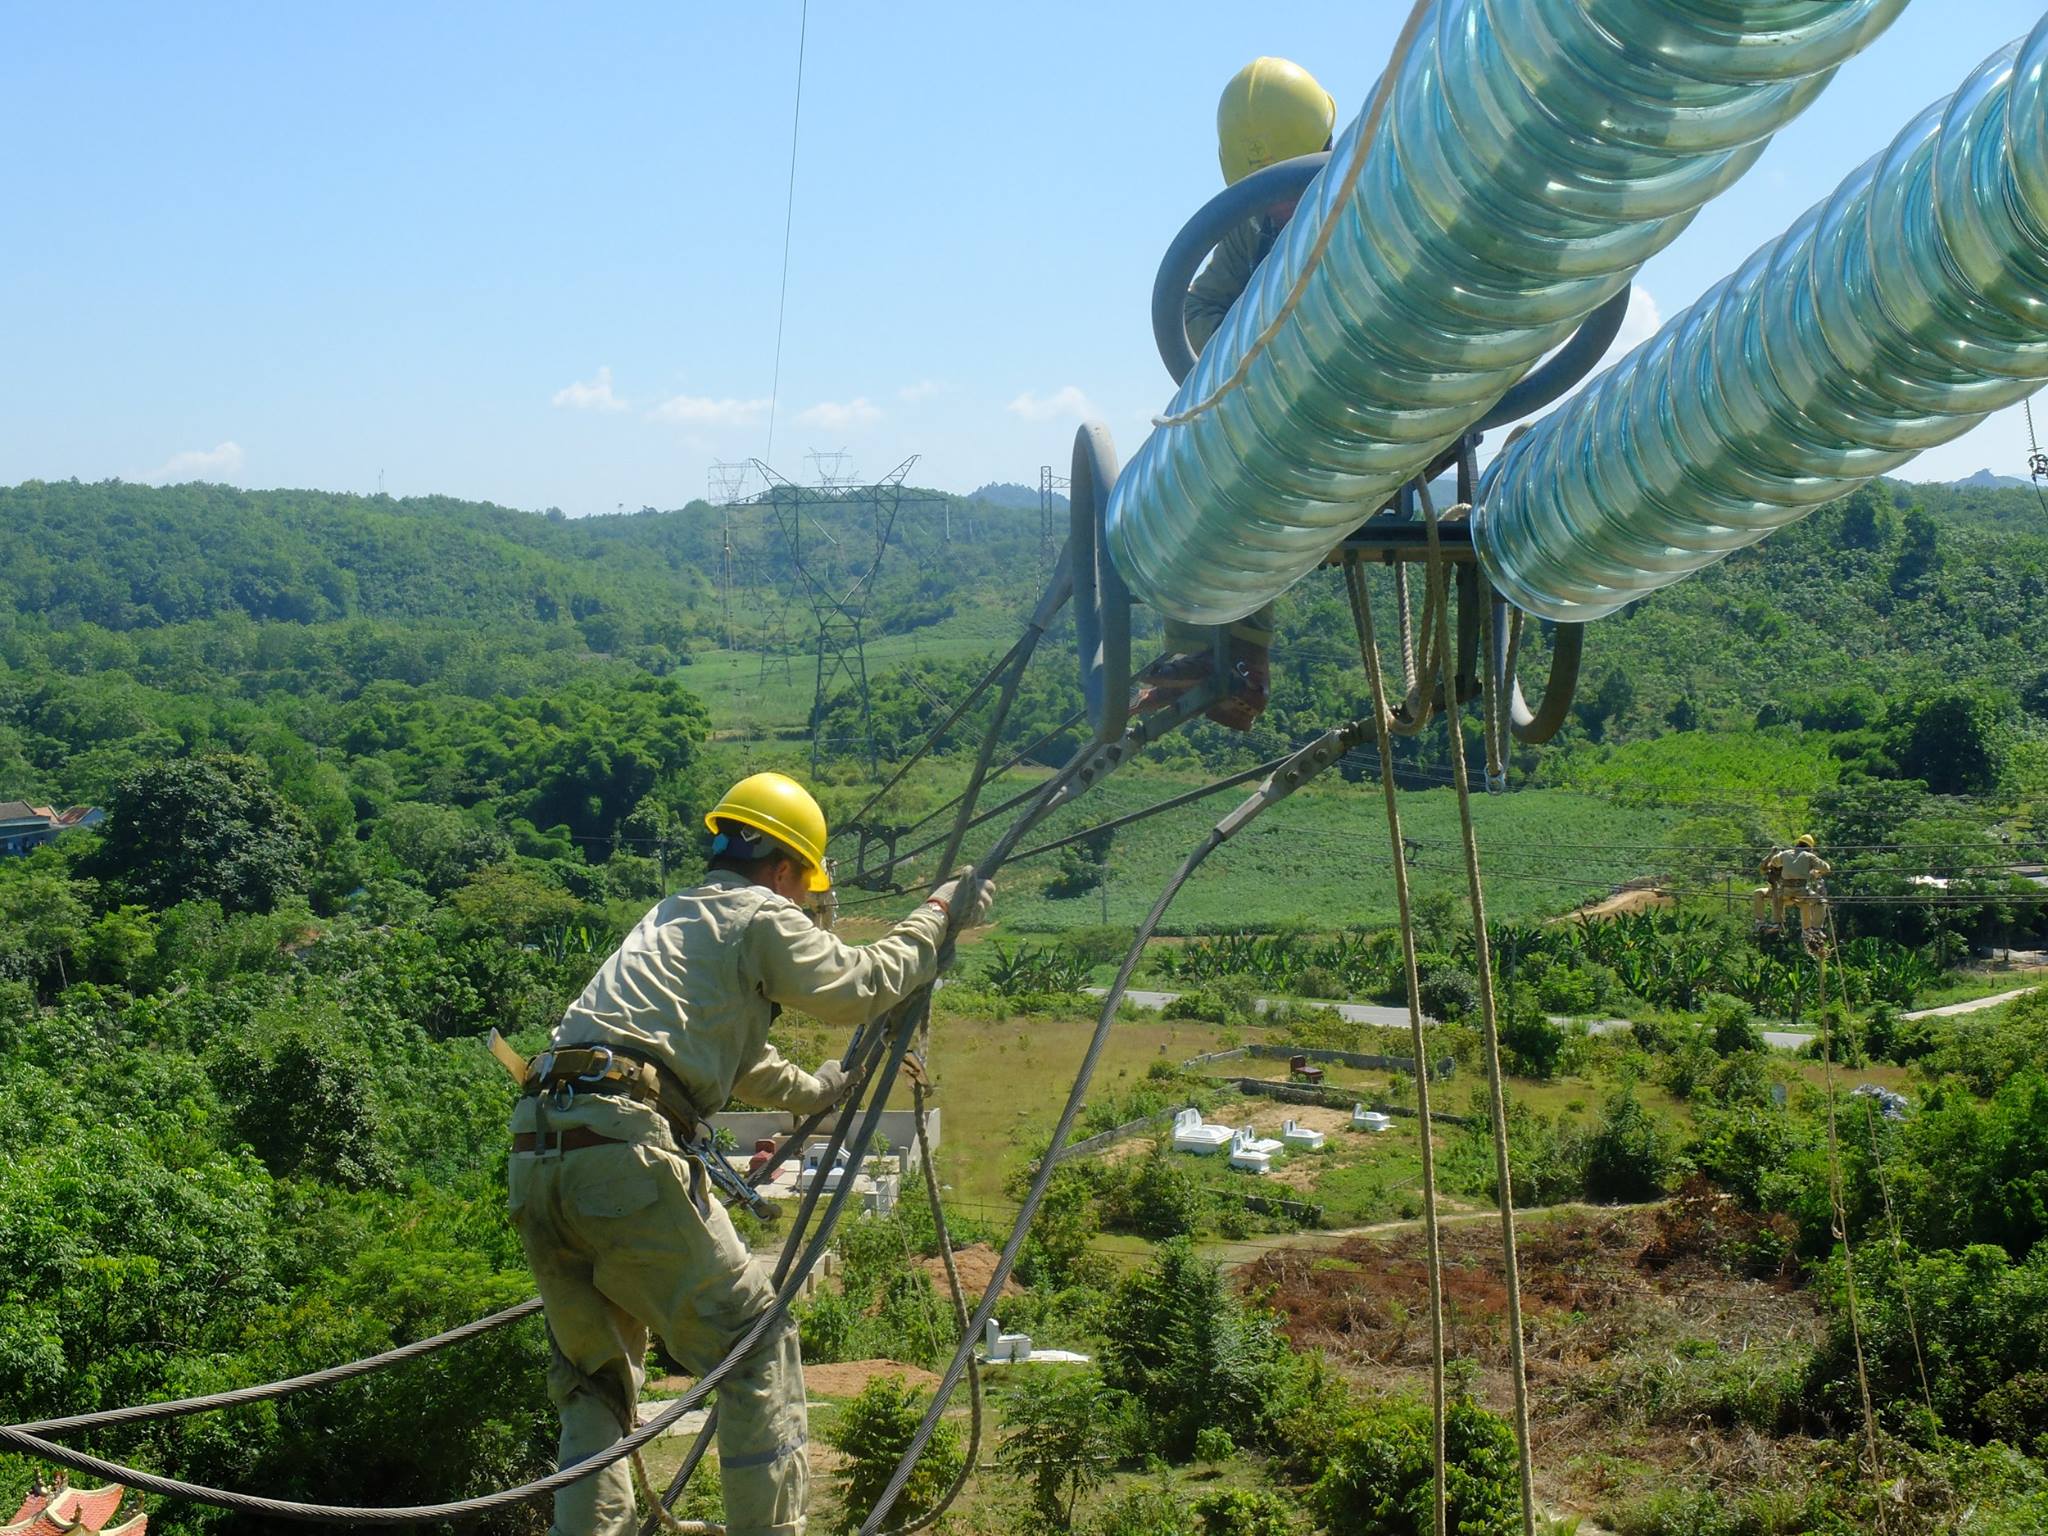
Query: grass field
{"points": [[1318, 860], [748, 699]]}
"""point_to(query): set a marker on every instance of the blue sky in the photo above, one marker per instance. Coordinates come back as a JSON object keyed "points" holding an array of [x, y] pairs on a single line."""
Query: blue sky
{"points": [[530, 253]]}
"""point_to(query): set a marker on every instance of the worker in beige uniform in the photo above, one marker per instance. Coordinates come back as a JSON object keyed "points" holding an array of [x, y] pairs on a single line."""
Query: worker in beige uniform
{"points": [[1792, 877], [612, 1205], [1271, 110]]}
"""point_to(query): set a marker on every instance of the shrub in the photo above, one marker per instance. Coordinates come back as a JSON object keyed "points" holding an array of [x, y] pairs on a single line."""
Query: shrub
{"points": [[1066, 1431], [1531, 1043], [1448, 992], [1629, 1157], [1160, 1199], [1380, 1481], [1729, 1029], [831, 1329], [1245, 1512], [872, 1433], [1190, 1353], [1154, 1511], [1213, 1443], [1567, 989]]}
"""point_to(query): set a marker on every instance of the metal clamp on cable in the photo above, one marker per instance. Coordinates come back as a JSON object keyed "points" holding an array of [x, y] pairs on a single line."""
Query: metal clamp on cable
{"points": [[1292, 774]]}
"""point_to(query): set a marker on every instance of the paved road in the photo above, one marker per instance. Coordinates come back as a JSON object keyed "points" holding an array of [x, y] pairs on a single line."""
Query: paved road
{"points": [[1950, 1010]]}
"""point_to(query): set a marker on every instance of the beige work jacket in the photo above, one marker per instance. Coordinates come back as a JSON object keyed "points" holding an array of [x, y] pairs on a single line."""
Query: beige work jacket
{"points": [[697, 981], [1797, 866]]}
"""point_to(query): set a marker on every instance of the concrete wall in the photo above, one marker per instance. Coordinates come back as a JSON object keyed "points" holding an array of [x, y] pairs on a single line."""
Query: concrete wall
{"points": [[896, 1132]]}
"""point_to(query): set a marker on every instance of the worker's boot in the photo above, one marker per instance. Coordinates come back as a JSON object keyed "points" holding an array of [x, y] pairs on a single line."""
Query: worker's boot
{"points": [[1248, 685]]}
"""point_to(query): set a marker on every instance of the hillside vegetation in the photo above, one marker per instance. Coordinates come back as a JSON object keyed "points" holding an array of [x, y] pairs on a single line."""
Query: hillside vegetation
{"points": [[384, 775]]}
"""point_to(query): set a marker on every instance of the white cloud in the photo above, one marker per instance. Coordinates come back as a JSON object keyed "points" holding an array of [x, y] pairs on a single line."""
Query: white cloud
{"points": [[218, 463], [702, 411], [1068, 400], [923, 389], [595, 396], [836, 416], [1639, 322]]}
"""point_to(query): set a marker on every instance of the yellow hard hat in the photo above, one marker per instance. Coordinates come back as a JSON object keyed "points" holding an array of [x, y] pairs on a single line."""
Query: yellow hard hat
{"points": [[1272, 110], [1803, 840], [776, 804]]}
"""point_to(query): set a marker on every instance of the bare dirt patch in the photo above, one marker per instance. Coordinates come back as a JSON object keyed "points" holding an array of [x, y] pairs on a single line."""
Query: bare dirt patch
{"points": [[1599, 1289], [849, 1377], [1634, 897], [977, 1266]]}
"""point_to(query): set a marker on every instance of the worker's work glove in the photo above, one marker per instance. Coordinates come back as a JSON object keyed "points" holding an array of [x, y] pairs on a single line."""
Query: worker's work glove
{"points": [[948, 896], [834, 1086]]}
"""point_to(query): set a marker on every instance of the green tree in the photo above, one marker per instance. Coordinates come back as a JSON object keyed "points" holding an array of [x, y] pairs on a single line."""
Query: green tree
{"points": [[1189, 1352], [1629, 1154], [1065, 1431], [120, 947], [1380, 1480], [40, 917], [206, 827], [872, 1432]]}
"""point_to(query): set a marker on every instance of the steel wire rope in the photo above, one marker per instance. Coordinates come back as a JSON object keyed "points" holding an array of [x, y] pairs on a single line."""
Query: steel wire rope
{"points": [[1489, 1021], [1369, 655], [1321, 753], [1043, 741], [1175, 802], [619, 1450], [1838, 1212], [236, 1397], [988, 679]]}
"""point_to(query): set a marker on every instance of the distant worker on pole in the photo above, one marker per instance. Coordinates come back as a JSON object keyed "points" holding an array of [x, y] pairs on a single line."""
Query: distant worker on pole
{"points": [[1271, 110], [612, 1201], [1792, 877]]}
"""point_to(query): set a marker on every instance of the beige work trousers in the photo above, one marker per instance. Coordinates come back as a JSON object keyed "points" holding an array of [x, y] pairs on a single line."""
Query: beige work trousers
{"points": [[624, 1239]]}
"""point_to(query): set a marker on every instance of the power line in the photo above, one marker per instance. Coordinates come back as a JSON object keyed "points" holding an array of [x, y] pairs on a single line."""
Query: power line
{"points": [[788, 221]]}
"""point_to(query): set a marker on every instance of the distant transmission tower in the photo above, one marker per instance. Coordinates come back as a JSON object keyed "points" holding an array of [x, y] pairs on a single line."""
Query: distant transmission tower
{"points": [[724, 483], [1049, 519], [837, 577], [830, 467]]}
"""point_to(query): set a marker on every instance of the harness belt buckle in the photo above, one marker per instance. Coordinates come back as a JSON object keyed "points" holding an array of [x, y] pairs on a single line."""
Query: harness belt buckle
{"points": [[563, 1095], [598, 1074]]}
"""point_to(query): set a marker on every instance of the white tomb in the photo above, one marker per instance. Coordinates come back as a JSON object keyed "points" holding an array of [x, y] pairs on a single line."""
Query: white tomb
{"points": [[1301, 1137], [1370, 1120], [1190, 1135], [1005, 1347], [1251, 1153]]}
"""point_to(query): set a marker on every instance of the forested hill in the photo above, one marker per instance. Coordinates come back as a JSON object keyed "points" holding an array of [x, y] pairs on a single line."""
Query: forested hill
{"points": [[126, 557]]}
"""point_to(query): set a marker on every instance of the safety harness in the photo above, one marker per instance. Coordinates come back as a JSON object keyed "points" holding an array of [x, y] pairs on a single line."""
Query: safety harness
{"points": [[556, 1076]]}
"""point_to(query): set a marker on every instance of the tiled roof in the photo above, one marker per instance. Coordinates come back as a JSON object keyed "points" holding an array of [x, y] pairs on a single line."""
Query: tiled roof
{"points": [[68, 1511], [16, 810]]}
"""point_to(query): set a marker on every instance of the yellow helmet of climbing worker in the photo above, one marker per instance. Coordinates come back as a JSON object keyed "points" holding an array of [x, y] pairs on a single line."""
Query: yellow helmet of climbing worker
{"points": [[1272, 110], [1803, 840], [776, 804]]}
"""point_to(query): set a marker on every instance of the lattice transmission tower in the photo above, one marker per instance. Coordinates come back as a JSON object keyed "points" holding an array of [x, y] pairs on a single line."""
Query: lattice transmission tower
{"points": [[834, 538], [1052, 522]]}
